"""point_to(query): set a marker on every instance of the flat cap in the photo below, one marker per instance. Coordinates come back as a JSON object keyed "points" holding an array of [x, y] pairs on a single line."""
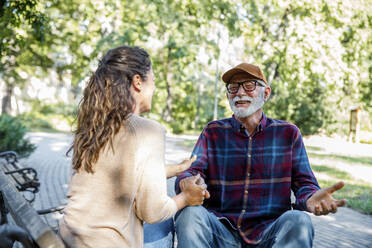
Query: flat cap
{"points": [[250, 69]]}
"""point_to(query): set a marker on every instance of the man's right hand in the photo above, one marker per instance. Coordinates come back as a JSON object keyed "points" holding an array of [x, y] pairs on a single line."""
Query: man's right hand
{"points": [[195, 190]]}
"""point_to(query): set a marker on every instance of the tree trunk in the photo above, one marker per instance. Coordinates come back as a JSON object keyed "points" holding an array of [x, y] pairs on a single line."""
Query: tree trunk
{"points": [[196, 120], [6, 106], [167, 113]]}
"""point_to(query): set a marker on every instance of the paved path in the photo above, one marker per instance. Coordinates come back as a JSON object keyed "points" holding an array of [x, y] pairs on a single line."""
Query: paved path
{"points": [[346, 228]]}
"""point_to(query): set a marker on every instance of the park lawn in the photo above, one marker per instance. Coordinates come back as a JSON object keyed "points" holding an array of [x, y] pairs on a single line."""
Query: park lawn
{"points": [[367, 161], [357, 193]]}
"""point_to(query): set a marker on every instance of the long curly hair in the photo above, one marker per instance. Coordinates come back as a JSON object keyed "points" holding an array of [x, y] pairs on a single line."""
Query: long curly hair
{"points": [[106, 104]]}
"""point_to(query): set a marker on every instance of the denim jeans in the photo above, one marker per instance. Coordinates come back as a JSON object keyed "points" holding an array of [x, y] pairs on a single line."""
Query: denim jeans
{"points": [[159, 235], [196, 227]]}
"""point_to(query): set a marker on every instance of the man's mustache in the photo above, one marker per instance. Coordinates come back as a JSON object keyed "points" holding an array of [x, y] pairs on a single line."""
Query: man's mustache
{"points": [[244, 98]]}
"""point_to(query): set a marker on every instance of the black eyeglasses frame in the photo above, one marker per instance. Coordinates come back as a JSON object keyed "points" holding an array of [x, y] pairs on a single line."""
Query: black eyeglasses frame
{"points": [[256, 82]]}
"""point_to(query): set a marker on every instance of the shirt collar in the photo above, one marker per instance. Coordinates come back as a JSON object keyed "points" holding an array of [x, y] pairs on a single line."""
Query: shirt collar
{"points": [[238, 126]]}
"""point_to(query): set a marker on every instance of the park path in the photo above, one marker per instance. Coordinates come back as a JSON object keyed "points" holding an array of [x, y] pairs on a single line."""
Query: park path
{"points": [[346, 228]]}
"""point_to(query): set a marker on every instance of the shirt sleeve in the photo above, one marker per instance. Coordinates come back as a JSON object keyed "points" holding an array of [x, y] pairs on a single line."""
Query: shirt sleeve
{"points": [[304, 183], [152, 204], [201, 163]]}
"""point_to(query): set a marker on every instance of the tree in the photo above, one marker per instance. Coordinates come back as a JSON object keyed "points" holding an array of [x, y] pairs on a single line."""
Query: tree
{"points": [[310, 51], [22, 32]]}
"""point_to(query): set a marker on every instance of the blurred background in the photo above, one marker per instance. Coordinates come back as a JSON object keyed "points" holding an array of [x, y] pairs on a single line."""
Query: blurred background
{"points": [[316, 54]]}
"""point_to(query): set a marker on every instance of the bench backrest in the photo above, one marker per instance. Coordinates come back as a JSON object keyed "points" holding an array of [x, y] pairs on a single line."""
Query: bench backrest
{"points": [[26, 216]]}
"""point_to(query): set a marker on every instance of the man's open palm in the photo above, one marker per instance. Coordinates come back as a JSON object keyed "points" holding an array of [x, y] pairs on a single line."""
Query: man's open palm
{"points": [[322, 202]]}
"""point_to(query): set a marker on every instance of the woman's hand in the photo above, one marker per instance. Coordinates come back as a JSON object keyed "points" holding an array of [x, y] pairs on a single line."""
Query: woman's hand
{"points": [[175, 170]]}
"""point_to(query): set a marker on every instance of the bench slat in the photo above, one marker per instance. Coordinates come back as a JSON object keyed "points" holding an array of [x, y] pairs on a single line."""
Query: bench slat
{"points": [[26, 216]]}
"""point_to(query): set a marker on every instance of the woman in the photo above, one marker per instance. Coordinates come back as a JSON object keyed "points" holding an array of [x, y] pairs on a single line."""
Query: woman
{"points": [[119, 177]]}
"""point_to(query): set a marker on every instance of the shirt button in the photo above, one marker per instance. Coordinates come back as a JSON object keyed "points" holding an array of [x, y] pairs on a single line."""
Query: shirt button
{"points": [[246, 191], [249, 155], [248, 174], [239, 226], [243, 211]]}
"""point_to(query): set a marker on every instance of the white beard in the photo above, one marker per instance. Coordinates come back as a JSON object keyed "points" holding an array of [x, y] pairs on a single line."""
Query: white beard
{"points": [[256, 104]]}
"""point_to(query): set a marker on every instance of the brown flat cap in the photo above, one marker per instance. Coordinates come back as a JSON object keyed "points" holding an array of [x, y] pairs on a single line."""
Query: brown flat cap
{"points": [[250, 69]]}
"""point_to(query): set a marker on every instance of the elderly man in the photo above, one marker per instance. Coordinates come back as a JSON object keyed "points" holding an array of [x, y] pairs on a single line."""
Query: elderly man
{"points": [[251, 163]]}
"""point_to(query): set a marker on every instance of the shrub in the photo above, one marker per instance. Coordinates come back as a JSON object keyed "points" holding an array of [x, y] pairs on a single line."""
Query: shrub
{"points": [[49, 117], [12, 133], [35, 121]]}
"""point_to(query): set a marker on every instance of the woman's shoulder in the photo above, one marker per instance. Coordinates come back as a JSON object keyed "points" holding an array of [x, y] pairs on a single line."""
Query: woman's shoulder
{"points": [[140, 123], [138, 132], [143, 128]]}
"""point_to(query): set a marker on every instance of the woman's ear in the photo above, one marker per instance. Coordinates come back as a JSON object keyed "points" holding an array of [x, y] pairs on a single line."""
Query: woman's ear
{"points": [[137, 82]]}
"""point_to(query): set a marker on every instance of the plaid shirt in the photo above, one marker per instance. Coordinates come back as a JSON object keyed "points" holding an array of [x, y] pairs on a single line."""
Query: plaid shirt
{"points": [[250, 177]]}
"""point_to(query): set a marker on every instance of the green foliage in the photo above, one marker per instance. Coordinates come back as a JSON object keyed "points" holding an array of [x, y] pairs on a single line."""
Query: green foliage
{"points": [[23, 35], [12, 133], [36, 122], [16, 14], [43, 116], [315, 54]]}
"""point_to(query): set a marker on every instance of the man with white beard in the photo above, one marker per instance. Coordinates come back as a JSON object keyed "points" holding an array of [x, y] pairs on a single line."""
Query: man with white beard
{"points": [[251, 163]]}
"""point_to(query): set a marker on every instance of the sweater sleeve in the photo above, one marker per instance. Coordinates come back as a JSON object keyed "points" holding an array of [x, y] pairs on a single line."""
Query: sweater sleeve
{"points": [[152, 204]]}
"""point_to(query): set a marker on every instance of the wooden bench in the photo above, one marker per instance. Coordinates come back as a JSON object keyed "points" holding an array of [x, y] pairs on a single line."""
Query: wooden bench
{"points": [[18, 188], [24, 178], [24, 215]]}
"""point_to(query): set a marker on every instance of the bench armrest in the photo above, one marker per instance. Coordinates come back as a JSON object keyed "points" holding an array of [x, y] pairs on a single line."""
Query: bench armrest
{"points": [[10, 156]]}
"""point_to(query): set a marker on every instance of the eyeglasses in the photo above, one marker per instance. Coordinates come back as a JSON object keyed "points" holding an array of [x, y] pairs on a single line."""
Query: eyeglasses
{"points": [[248, 86]]}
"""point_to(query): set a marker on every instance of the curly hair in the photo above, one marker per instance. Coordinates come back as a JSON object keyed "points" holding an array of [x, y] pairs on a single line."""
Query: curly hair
{"points": [[107, 103]]}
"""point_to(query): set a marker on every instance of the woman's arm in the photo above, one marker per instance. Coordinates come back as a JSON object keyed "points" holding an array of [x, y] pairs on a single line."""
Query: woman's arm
{"points": [[175, 170]]}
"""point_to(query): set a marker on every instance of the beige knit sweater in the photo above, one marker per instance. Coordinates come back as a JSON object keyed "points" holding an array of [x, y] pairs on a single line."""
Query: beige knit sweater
{"points": [[107, 208]]}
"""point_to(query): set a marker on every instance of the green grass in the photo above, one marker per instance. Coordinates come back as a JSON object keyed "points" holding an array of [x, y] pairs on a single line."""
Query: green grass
{"points": [[358, 196], [357, 193], [366, 142], [348, 159], [332, 172], [314, 148]]}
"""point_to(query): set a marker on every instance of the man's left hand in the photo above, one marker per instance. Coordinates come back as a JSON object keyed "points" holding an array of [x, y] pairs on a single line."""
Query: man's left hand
{"points": [[322, 202]]}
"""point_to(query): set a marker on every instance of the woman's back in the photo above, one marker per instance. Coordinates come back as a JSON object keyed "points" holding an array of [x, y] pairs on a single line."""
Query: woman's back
{"points": [[106, 208]]}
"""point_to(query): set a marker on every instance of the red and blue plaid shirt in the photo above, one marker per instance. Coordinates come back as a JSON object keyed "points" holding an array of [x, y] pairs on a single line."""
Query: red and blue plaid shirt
{"points": [[250, 177]]}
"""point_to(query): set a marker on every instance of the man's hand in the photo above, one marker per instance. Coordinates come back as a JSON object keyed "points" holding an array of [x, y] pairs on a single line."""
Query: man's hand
{"points": [[194, 193], [322, 202], [201, 182], [175, 170]]}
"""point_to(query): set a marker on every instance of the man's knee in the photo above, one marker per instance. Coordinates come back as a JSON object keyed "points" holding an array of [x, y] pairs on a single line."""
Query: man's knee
{"points": [[299, 222], [298, 218], [190, 216], [193, 221]]}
